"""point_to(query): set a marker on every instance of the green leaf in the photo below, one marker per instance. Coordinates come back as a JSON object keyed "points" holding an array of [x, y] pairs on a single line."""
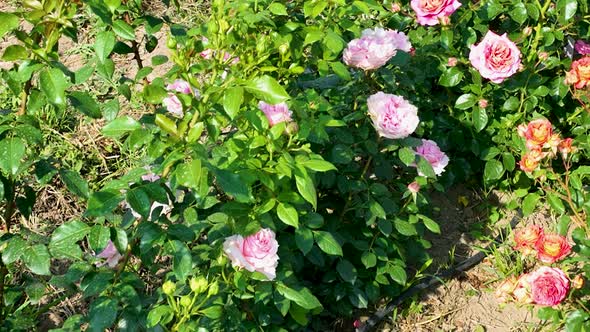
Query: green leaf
{"points": [[305, 186], [302, 296], [267, 89], [85, 103], [123, 30], [377, 210], [13, 250], [189, 174], [430, 224], [139, 201], [233, 185], [480, 118], [12, 150], [404, 227], [369, 259], [347, 271], [182, 264], [511, 104], [451, 77], [75, 183], [14, 53], [99, 237], [278, 9], [161, 314], [493, 170], [465, 101], [232, 100], [567, 10], [529, 204], [519, 13], [556, 203], [120, 126], [341, 70], [288, 214], [304, 239], [102, 314], [8, 22], [37, 259], [327, 243], [213, 312], [63, 240], [407, 156], [104, 44], [54, 83], [103, 202], [319, 165], [577, 321], [358, 298], [508, 161], [398, 274], [425, 168]]}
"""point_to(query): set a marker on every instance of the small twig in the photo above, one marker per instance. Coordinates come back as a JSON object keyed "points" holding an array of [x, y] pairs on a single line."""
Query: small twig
{"points": [[439, 316]]}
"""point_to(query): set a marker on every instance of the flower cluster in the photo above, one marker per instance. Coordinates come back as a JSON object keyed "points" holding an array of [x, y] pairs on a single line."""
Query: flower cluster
{"points": [[375, 48], [541, 142], [549, 248], [546, 286], [257, 252]]}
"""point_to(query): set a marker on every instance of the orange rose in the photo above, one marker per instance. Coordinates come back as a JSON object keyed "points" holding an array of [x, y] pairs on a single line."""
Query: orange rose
{"points": [[552, 248], [530, 160], [527, 237], [579, 74], [565, 147], [552, 143], [537, 133]]}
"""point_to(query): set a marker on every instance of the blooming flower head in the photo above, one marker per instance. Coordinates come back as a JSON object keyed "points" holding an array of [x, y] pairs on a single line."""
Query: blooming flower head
{"points": [[537, 132], [582, 47], [257, 252], [565, 147], [172, 102], [579, 74], [111, 254], [375, 48], [431, 152], [495, 57], [552, 248], [452, 62], [392, 116], [275, 113], [431, 12], [549, 285], [527, 237], [530, 160]]}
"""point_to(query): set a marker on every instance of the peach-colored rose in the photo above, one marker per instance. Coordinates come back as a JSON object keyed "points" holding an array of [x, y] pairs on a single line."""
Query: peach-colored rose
{"points": [[579, 74], [553, 143], [374, 48], [257, 252], [431, 152], [537, 133], [431, 12], [530, 161], [578, 282], [565, 147], [393, 116], [527, 237], [275, 113], [552, 248], [522, 291], [495, 57], [549, 285], [504, 292]]}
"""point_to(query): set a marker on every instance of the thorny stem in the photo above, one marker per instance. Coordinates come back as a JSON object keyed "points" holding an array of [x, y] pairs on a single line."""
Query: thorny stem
{"points": [[538, 32], [8, 212], [349, 199]]}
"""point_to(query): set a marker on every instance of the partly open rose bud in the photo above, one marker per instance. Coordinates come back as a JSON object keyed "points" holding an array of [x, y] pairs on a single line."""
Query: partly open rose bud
{"points": [[482, 103], [552, 143], [503, 293], [549, 286], [452, 62], [526, 238], [522, 291], [552, 248], [578, 282], [395, 7], [414, 187], [565, 147]]}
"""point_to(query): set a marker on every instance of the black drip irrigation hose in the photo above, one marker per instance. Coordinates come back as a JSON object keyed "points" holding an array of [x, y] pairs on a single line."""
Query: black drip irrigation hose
{"points": [[428, 282]]}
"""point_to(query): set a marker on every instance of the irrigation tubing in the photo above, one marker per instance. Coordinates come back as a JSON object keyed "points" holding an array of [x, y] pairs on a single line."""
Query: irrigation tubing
{"points": [[435, 280]]}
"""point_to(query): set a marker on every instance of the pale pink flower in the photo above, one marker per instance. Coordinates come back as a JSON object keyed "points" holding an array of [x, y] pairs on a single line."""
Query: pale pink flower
{"points": [[495, 57], [431, 152], [395, 7], [172, 102], [111, 254], [257, 252], [582, 47], [375, 48], [483, 103], [393, 116], [452, 62], [181, 86], [414, 187], [275, 113], [549, 285], [173, 105], [431, 12]]}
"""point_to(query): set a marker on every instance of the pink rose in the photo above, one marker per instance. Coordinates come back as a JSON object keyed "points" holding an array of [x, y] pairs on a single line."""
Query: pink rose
{"points": [[181, 86], [275, 113], [111, 254], [582, 47], [483, 103], [375, 48], [431, 152], [452, 62], [393, 116], [549, 285], [495, 57], [430, 12], [257, 252], [172, 103], [552, 248], [414, 187]]}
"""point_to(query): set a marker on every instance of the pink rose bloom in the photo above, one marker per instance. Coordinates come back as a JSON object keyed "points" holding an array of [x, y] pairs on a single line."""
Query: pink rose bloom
{"points": [[172, 103], [582, 47], [452, 62], [549, 285], [495, 57], [111, 254], [431, 152], [257, 252], [375, 48], [181, 86], [430, 12], [393, 116], [275, 113]]}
